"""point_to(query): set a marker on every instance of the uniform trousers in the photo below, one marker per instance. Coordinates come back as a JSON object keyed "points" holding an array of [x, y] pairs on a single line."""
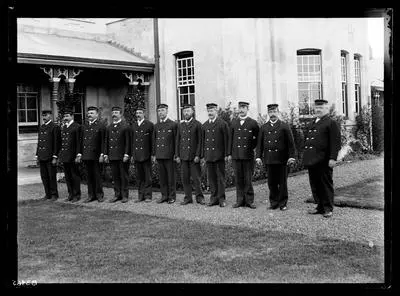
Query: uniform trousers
{"points": [[167, 179], [189, 168], [143, 176], [48, 173], [216, 179], [321, 182], [94, 181], [73, 180], [120, 173], [277, 184], [244, 169]]}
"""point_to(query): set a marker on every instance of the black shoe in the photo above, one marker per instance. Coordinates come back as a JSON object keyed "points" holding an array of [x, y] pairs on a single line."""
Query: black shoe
{"points": [[114, 200], [139, 200], [89, 199], [161, 200], [171, 201], [327, 214], [272, 207], [76, 199], [185, 202], [236, 205], [100, 199], [210, 204], [44, 198], [201, 202], [315, 212], [68, 199], [283, 208], [251, 206], [124, 200], [54, 198], [148, 200], [222, 204]]}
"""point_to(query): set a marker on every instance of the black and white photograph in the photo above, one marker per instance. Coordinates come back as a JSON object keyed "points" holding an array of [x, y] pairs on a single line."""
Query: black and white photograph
{"points": [[201, 150]]}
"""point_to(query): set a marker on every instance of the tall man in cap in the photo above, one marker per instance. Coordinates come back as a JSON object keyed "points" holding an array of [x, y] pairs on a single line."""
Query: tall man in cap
{"points": [[188, 152], [276, 146], [243, 141], [70, 147], [117, 149], [91, 153], [322, 145], [215, 152], [164, 139], [46, 154], [142, 146]]}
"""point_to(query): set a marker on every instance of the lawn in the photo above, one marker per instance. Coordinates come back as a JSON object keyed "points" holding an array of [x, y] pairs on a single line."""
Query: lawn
{"points": [[65, 243], [366, 194]]}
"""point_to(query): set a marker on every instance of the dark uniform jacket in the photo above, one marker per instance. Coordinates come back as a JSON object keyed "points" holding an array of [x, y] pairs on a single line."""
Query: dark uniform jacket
{"points": [[215, 140], [93, 137], [322, 141], [164, 139], [118, 141], [275, 143], [243, 138], [48, 141], [142, 139], [70, 142], [188, 140]]}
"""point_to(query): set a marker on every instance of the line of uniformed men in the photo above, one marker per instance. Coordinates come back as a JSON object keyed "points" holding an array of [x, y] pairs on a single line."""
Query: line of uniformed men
{"points": [[188, 143]]}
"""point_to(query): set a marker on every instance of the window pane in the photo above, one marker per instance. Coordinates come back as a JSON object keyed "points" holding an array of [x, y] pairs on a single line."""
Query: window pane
{"points": [[22, 116], [183, 90], [189, 63], [31, 102], [32, 116], [191, 89], [184, 72], [183, 63], [189, 71], [21, 103], [192, 99]]}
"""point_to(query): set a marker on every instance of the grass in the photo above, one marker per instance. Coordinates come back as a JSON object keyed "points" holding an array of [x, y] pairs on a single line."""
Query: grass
{"points": [[72, 243], [366, 194]]}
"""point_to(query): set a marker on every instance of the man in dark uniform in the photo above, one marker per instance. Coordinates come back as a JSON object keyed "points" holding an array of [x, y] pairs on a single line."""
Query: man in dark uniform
{"points": [[188, 152], [46, 155], [117, 150], [215, 149], [164, 139], [70, 147], [142, 139], [276, 145], [243, 141], [322, 145], [92, 146]]}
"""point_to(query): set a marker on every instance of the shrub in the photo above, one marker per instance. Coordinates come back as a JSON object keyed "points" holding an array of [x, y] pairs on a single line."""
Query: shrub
{"points": [[362, 129]]}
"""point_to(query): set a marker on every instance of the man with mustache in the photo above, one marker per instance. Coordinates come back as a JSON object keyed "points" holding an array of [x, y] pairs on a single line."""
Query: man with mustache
{"points": [[46, 155], [117, 150], [188, 152], [70, 147], [276, 146], [142, 146], [321, 148], [244, 133], [91, 153], [215, 152], [164, 139]]}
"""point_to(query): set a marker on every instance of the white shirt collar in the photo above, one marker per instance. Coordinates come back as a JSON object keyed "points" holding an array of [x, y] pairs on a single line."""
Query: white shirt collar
{"points": [[165, 119], [273, 122], [48, 122], [117, 121], [189, 120], [68, 124], [91, 122], [212, 120], [140, 121], [243, 118]]}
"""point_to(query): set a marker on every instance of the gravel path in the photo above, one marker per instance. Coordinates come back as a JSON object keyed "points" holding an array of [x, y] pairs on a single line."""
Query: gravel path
{"points": [[352, 224]]}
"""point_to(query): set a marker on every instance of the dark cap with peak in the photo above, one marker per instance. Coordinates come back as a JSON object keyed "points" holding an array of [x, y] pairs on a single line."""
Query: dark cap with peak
{"points": [[320, 102], [187, 106], [46, 112], [162, 106], [211, 105], [93, 108], [243, 104], [116, 108], [141, 108], [68, 111], [272, 106]]}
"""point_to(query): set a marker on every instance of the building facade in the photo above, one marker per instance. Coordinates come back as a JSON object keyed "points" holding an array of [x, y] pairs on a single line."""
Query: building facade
{"points": [[291, 62]]}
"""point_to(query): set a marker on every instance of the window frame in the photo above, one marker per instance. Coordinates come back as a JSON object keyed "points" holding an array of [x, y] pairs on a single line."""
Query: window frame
{"points": [[344, 74], [185, 79], [357, 83], [33, 92], [311, 78]]}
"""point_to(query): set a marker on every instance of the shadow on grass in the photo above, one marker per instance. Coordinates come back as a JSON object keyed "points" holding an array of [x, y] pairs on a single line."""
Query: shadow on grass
{"points": [[367, 194], [71, 243]]}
